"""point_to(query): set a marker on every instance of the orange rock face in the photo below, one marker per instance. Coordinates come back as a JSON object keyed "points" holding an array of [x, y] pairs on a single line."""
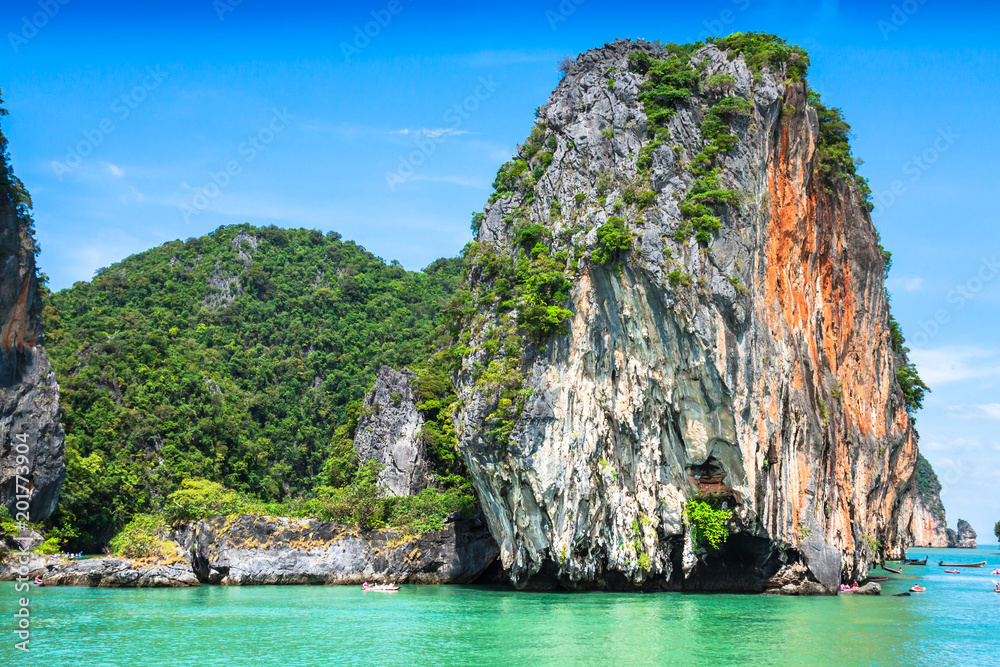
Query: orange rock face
{"points": [[823, 297]]}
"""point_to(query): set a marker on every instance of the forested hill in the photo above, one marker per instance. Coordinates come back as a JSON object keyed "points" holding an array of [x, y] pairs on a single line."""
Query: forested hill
{"points": [[233, 357]]}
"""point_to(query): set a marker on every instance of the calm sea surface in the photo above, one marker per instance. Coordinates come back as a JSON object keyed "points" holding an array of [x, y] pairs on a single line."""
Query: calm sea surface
{"points": [[957, 622]]}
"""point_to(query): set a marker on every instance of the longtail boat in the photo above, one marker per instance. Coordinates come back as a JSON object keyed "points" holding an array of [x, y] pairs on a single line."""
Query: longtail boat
{"points": [[943, 564], [915, 562]]}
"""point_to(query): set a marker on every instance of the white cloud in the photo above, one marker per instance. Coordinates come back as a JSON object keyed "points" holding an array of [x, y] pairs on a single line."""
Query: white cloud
{"points": [[908, 284], [434, 132], [984, 411], [454, 180], [955, 364], [114, 169]]}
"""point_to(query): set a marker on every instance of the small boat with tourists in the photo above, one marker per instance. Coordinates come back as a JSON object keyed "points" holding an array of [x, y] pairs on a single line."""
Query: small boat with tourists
{"points": [[996, 571], [379, 588], [889, 569], [917, 588], [951, 571], [943, 564], [996, 586]]}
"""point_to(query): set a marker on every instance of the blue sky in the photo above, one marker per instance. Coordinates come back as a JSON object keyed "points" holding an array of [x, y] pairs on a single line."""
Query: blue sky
{"points": [[133, 125]]}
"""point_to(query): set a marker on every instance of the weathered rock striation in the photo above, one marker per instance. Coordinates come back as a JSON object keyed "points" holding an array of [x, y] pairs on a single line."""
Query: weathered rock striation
{"points": [[31, 437], [389, 432], [751, 366]]}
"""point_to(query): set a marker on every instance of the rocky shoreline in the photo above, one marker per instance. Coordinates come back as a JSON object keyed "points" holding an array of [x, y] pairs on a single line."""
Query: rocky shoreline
{"points": [[249, 550]]}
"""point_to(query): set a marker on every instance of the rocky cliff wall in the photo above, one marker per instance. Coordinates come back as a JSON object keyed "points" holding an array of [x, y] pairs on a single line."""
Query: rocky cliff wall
{"points": [[928, 523], [389, 432], [31, 437], [749, 365], [926, 528]]}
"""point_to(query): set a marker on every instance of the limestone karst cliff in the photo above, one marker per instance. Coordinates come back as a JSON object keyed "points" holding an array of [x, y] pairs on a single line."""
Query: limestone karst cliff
{"points": [[677, 293], [388, 432], [927, 525], [31, 437]]}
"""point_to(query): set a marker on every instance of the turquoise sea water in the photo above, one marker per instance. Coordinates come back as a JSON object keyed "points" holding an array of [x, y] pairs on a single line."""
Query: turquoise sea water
{"points": [[957, 622]]}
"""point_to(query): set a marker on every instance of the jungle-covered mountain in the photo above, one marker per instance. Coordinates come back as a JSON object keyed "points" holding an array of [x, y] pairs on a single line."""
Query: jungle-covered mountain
{"points": [[238, 357]]}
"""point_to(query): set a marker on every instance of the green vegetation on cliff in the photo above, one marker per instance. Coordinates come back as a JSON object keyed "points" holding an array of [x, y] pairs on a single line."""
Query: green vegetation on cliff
{"points": [[14, 195], [929, 488], [239, 357], [708, 524]]}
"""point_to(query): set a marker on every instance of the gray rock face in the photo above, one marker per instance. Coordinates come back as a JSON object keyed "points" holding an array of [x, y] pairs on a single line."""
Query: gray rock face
{"points": [[389, 432], [257, 550], [756, 367], [30, 565], [964, 538], [31, 437], [251, 550], [118, 573], [871, 588]]}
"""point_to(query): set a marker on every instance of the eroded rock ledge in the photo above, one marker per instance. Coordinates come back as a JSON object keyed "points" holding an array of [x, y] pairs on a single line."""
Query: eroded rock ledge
{"points": [[258, 550]]}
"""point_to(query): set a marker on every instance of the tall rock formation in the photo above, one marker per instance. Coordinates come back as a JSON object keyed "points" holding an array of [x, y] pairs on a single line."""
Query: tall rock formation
{"points": [[389, 432], [928, 526], [963, 538], [677, 293], [31, 437]]}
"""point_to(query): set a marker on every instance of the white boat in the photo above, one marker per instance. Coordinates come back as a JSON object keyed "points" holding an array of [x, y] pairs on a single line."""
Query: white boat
{"points": [[380, 588]]}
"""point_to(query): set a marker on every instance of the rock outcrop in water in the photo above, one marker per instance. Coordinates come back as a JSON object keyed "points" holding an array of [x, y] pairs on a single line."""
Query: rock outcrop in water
{"points": [[728, 339], [963, 538], [389, 432], [121, 573], [31, 437], [249, 550]]}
